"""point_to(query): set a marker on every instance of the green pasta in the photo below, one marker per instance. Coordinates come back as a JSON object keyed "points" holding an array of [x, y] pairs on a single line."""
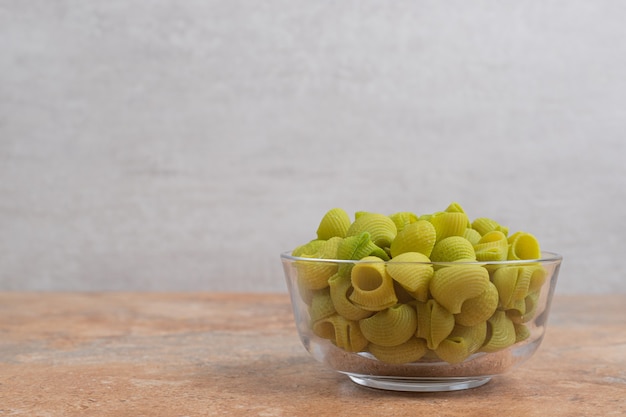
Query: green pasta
{"points": [[453, 249], [334, 223], [451, 286], [410, 351], [372, 287], [434, 323], [419, 236], [409, 288], [413, 273], [390, 327]]}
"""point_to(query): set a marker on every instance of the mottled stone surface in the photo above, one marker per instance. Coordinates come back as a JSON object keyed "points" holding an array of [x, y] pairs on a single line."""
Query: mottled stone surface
{"points": [[155, 354]]}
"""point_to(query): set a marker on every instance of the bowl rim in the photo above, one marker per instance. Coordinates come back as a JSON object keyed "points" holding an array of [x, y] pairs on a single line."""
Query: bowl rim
{"points": [[546, 257]]}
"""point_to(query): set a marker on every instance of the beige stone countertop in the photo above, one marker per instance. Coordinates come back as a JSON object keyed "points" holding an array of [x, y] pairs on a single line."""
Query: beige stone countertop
{"points": [[220, 354]]}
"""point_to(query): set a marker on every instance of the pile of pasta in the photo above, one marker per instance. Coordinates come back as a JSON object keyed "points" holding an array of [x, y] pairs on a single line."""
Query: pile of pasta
{"points": [[427, 287]]}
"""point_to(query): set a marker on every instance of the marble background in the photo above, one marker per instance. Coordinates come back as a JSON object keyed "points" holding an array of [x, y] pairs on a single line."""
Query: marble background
{"points": [[179, 146]]}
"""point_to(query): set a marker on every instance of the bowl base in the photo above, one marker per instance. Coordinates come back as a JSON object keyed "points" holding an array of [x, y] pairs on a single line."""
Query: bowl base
{"points": [[418, 384]]}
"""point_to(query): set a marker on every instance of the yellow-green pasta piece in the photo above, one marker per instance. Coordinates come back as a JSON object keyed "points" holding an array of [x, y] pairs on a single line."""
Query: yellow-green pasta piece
{"points": [[410, 351], [381, 228], [462, 342], [340, 288], [413, 272], [521, 332], [344, 333], [453, 249], [492, 246], [525, 310], [419, 237], [452, 285], [390, 327], [321, 305], [484, 225], [500, 332], [372, 286], [449, 224], [537, 279], [309, 249], [472, 235], [358, 247], [314, 275], [403, 218], [478, 309], [523, 245], [434, 323], [512, 283], [334, 223]]}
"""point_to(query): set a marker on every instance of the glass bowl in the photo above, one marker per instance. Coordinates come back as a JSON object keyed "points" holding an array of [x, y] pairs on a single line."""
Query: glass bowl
{"points": [[437, 337]]}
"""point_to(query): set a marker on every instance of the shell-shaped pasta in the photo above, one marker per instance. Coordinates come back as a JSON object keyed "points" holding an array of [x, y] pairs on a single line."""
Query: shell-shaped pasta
{"points": [[478, 309], [434, 323], [381, 228], [462, 342], [413, 272], [334, 223], [419, 237], [321, 305], [344, 333], [372, 286], [455, 207], [512, 283], [523, 245], [500, 332], [537, 279], [309, 249], [314, 275], [451, 286], [449, 224], [492, 246], [521, 332], [525, 310], [358, 247], [390, 327], [340, 288], [402, 218], [472, 235], [453, 249], [410, 351], [484, 225]]}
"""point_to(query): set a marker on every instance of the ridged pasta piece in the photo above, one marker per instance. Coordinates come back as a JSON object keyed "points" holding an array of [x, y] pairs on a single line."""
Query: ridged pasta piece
{"points": [[492, 246], [309, 249], [525, 310], [403, 218], [321, 305], [449, 224], [462, 342], [410, 351], [434, 323], [381, 228], [500, 332], [484, 225], [521, 332], [512, 283], [415, 237], [334, 223], [455, 207], [413, 272], [523, 245], [472, 235], [390, 327], [313, 274], [358, 247], [478, 309], [344, 333], [537, 279], [453, 249], [451, 286], [340, 288], [372, 286]]}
